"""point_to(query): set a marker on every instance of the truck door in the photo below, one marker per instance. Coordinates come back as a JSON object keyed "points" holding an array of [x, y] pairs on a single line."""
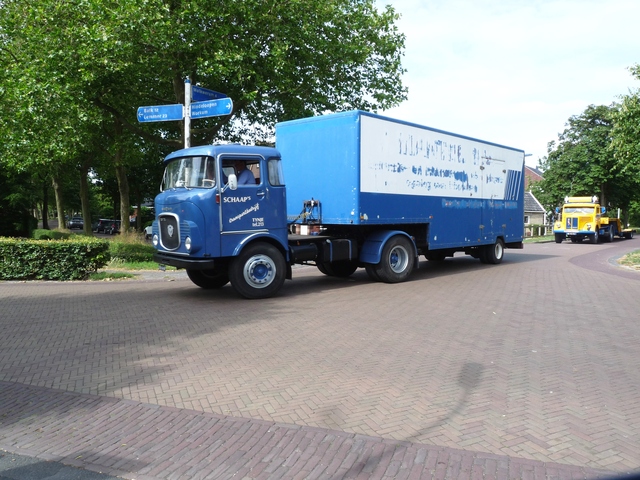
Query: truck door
{"points": [[256, 206]]}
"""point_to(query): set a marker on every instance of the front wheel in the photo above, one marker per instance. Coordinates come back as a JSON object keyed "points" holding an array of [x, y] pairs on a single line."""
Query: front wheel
{"points": [[594, 238], [208, 279], [258, 272], [559, 237], [396, 262]]}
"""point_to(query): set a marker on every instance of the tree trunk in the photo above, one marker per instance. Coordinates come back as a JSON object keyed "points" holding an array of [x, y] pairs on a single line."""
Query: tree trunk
{"points": [[45, 206], [57, 191], [123, 183], [84, 197], [123, 187]]}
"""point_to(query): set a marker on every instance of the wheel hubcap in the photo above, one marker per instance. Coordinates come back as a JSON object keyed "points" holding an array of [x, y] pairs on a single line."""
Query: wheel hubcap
{"points": [[259, 271], [398, 259]]}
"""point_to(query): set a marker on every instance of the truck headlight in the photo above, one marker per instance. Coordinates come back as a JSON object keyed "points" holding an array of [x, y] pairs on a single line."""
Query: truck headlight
{"points": [[187, 244], [154, 240]]}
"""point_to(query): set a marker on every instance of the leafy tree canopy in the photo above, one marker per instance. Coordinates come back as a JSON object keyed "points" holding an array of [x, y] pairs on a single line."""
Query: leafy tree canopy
{"points": [[626, 133], [276, 59], [586, 161]]}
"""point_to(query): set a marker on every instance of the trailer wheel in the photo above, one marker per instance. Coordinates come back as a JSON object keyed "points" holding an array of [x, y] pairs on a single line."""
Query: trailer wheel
{"points": [[493, 253], [628, 235], [258, 272], [396, 262], [208, 279]]}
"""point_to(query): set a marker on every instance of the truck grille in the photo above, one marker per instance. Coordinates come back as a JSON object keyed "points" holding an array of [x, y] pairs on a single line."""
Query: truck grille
{"points": [[169, 231], [572, 223]]}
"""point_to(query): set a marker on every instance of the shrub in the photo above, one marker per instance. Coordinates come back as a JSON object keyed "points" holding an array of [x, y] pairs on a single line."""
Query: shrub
{"points": [[43, 234], [68, 259], [131, 251]]}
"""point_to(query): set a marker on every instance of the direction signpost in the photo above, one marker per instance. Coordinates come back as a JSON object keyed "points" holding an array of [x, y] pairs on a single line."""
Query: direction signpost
{"points": [[207, 103], [211, 108], [161, 113], [199, 94]]}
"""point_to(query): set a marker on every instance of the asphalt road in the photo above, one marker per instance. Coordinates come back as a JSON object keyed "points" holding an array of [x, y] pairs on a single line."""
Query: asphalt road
{"points": [[521, 370]]}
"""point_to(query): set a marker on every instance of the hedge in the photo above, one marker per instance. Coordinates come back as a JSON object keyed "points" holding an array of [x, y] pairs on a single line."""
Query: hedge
{"points": [[67, 259], [131, 252]]}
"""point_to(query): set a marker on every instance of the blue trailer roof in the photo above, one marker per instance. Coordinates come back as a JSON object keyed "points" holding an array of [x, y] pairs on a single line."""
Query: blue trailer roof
{"points": [[215, 150], [356, 113]]}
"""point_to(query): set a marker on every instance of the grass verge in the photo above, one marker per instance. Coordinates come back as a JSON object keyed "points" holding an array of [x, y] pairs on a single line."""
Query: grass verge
{"points": [[631, 260]]}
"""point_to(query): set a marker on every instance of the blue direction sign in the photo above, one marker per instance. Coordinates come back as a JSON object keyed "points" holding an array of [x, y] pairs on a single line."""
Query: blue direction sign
{"points": [[199, 94], [161, 113], [211, 108]]}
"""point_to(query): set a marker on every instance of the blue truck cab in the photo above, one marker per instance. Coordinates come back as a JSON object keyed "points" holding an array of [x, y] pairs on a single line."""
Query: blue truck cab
{"points": [[206, 217]]}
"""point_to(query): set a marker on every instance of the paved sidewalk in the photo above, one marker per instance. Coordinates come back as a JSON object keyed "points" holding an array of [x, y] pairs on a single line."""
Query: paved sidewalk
{"points": [[22, 467], [526, 370], [134, 440]]}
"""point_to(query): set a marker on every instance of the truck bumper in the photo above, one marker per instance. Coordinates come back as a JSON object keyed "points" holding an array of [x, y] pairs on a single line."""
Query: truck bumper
{"points": [[184, 262]]}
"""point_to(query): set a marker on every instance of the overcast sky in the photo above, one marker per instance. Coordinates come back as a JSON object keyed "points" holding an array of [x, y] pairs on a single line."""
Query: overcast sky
{"points": [[513, 71]]}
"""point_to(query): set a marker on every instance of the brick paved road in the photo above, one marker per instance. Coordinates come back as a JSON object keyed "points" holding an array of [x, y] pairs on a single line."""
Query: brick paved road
{"points": [[519, 370]]}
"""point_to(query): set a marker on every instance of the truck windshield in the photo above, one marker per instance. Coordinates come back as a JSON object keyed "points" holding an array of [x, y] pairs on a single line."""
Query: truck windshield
{"points": [[583, 210], [189, 172]]}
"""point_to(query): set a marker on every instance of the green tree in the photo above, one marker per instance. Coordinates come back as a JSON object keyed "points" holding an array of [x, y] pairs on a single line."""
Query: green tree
{"points": [[71, 67], [626, 136], [582, 162]]}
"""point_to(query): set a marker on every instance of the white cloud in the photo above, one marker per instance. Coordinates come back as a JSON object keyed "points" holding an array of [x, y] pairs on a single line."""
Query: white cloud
{"points": [[513, 72]]}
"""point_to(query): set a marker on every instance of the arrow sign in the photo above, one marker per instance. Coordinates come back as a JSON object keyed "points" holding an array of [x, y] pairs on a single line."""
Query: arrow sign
{"points": [[211, 108], [160, 113], [199, 94]]}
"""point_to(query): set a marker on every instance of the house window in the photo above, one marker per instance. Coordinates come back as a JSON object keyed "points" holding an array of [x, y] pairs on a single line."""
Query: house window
{"points": [[526, 219]]}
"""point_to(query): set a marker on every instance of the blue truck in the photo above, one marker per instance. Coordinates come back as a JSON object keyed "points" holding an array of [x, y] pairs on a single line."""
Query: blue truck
{"points": [[361, 191]]}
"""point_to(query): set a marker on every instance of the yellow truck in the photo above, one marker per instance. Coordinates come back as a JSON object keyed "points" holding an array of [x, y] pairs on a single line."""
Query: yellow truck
{"points": [[583, 218]]}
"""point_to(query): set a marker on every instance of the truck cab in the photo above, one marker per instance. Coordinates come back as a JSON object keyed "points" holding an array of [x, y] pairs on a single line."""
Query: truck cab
{"points": [[207, 215], [582, 218]]}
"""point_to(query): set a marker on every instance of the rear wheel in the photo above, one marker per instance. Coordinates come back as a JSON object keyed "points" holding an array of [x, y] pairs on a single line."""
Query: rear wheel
{"points": [[396, 262], [208, 279], [258, 272], [493, 253], [341, 269], [371, 271]]}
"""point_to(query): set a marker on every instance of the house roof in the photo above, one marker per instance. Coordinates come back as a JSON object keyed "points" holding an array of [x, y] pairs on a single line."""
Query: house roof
{"points": [[531, 204], [535, 171]]}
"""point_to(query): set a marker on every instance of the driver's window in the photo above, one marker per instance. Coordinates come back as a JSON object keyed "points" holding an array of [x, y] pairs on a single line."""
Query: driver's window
{"points": [[246, 172]]}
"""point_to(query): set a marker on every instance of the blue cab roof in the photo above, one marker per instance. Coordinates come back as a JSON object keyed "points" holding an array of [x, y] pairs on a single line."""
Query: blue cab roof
{"points": [[215, 150]]}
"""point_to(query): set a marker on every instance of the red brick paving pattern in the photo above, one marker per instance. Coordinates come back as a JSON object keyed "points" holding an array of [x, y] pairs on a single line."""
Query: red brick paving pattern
{"points": [[532, 363]]}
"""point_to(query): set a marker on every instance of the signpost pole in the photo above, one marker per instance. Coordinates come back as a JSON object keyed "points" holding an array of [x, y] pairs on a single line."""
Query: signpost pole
{"points": [[187, 113]]}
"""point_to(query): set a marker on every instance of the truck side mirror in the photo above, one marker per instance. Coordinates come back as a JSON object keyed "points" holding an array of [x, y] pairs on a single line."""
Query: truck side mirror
{"points": [[602, 210], [233, 181], [557, 209]]}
